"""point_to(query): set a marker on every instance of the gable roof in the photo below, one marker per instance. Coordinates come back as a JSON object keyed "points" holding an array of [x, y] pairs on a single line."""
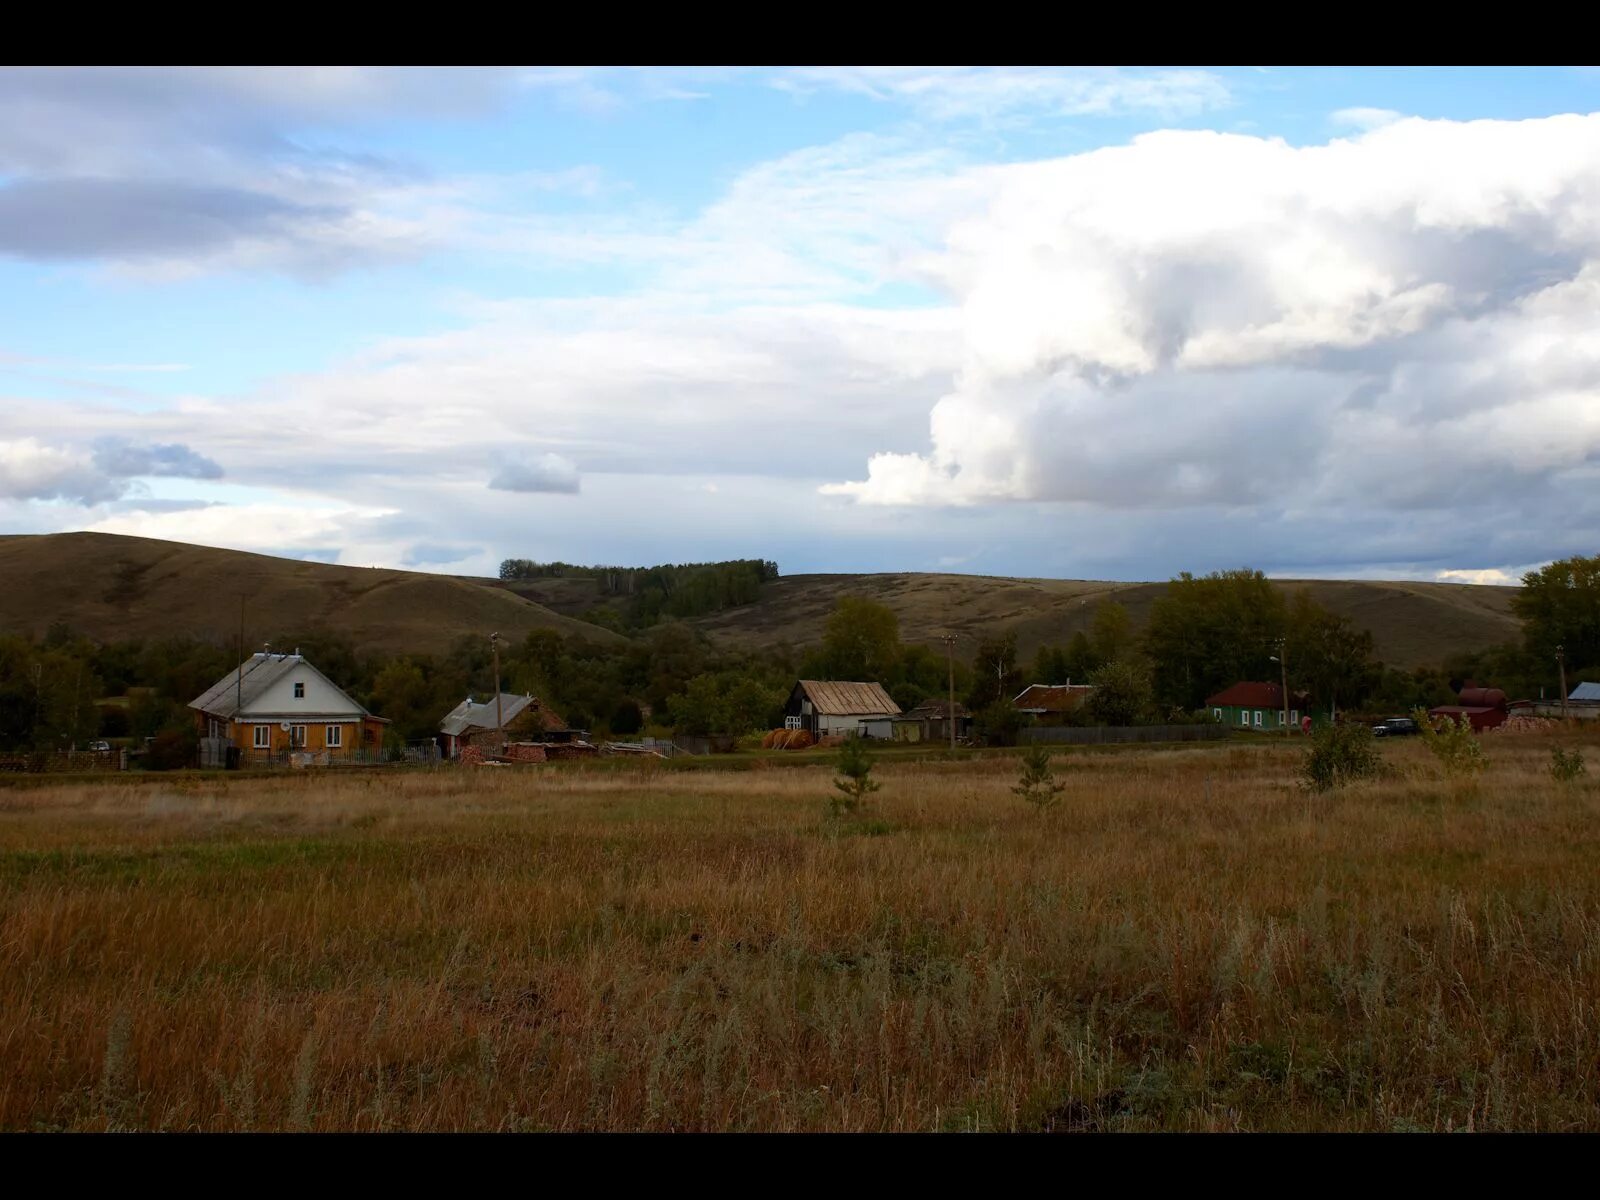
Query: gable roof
{"points": [[1585, 691], [1051, 697], [848, 699], [1256, 695], [236, 691], [468, 715]]}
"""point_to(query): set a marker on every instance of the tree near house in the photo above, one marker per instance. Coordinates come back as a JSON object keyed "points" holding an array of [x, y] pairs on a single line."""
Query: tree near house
{"points": [[1559, 605], [1111, 634], [1328, 655], [1122, 693], [1210, 632], [861, 640]]}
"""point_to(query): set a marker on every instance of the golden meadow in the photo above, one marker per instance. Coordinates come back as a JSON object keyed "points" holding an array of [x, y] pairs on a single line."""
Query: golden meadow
{"points": [[1188, 942]]}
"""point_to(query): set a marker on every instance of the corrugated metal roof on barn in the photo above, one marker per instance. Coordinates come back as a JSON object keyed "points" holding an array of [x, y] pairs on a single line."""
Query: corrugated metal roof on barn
{"points": [[469, 715], [848, 699], [1586, 691]]}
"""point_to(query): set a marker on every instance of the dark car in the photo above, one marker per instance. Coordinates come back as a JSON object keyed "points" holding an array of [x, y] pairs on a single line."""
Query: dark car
{"points": [[1395, 727]]}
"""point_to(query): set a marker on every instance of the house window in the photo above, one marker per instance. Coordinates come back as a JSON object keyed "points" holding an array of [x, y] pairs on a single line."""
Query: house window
{"points": [[791, 722], [1217, 713], [299, 691], [1244, 717], [1294, 716], [263, 737], [1258, 718], [297, 735], [333, 737]]}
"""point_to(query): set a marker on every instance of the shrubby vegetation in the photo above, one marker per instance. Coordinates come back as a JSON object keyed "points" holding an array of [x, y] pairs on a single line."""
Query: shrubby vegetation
{"points": [[653, 594], [1339, 754]]}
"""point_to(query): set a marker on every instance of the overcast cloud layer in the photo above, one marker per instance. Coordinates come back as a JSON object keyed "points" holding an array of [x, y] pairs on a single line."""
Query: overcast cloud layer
{"points": [[923, 342]]}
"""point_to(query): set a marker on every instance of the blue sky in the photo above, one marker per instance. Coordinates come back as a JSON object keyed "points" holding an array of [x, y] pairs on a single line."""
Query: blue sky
{"points": [[1077, 322]]}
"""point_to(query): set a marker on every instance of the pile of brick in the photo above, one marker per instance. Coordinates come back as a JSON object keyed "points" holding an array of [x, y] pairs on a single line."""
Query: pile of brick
{"points": [[526, 752], [471, 756], [1521, 724], [557, 750]]}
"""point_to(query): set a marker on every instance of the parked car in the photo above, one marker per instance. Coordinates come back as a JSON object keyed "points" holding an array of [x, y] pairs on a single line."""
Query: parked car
{"points": [[1395, 727], [100, 747]]}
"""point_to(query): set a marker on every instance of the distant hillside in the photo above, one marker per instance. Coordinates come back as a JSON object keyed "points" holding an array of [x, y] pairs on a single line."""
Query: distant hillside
{"points": [[111, 587], [1412, 623]]}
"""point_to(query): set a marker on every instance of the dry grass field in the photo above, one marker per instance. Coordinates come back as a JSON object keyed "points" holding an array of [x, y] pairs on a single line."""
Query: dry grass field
{"points": [[1189, 942]]}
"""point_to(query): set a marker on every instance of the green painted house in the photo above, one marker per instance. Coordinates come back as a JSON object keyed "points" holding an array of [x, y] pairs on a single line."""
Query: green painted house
{"points": [[1258, 706]]}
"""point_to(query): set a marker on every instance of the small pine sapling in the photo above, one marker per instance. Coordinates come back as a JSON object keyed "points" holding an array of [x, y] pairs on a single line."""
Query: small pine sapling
{"points": [[855, 782], [1037, 784]]}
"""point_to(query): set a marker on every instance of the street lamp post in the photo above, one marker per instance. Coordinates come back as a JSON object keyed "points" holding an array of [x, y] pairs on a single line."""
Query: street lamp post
{"points": [[1281, 658]]}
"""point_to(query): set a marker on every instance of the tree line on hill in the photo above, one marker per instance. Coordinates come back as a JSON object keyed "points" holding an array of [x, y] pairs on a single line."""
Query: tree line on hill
{"points": [[1204, 634], [646, 596]]}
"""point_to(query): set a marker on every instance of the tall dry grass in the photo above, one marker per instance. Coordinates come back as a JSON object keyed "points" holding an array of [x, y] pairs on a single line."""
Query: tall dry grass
{"points": [[1188, 942]]}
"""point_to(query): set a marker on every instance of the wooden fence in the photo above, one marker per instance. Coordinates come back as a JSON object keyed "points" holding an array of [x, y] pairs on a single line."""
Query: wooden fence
{"points": [[1096, 735]]}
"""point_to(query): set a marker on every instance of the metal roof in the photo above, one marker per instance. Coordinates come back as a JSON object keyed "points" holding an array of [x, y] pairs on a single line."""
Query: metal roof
{"points": [[468, 715], [848, 699], [1255, 695], [1051, 697], [239, 688], [1586, 691]]}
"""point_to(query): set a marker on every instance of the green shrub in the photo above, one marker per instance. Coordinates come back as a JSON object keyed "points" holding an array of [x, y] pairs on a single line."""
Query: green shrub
{"points": [[854, 783], [1339, 754], [1566, 766], [999, 722], [1037, 785], [1453, 743]]}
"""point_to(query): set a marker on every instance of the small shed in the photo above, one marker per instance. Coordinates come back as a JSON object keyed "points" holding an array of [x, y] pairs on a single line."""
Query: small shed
{"points": [[930, 722], [1484, 708], [826, 708], [525, 719]]}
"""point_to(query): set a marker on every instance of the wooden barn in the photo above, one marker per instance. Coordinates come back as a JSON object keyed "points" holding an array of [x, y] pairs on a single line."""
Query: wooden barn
{"points": [[830, 709]]}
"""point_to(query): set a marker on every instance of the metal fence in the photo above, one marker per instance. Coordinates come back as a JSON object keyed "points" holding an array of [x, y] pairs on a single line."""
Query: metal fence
{"points": [[1095, 735]]}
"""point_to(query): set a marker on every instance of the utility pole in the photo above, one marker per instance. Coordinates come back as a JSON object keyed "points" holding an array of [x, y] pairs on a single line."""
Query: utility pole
{"points": [[499, 714], [238, 688], [1561, 665], [949, 640], [1283, 668]]}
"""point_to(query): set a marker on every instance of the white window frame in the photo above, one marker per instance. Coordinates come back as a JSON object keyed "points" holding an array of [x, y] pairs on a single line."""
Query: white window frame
{"points": [[1258, 718], [262, 739], [1244, 717], [297, 737], [299, 690], [1217, 713], [1294, 716], [333, 737], [793, 723]]}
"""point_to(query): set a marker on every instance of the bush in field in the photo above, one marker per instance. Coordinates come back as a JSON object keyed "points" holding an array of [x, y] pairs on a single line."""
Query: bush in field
{"points": [[1453, 743], [1339, 754], [1566, 766], [999, 723], [172, 750], [855, 782], [1037, 784]]}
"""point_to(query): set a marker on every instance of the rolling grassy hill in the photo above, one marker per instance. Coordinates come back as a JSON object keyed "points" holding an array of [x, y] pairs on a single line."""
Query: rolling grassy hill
{"points": [[1412, 623], [112, 587]]}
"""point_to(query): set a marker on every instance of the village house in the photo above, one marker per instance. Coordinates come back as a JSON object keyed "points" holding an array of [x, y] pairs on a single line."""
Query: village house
{"points": [[830, 709], [275, 707], [1049, 703], [1257, 706], [525, 719]]}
